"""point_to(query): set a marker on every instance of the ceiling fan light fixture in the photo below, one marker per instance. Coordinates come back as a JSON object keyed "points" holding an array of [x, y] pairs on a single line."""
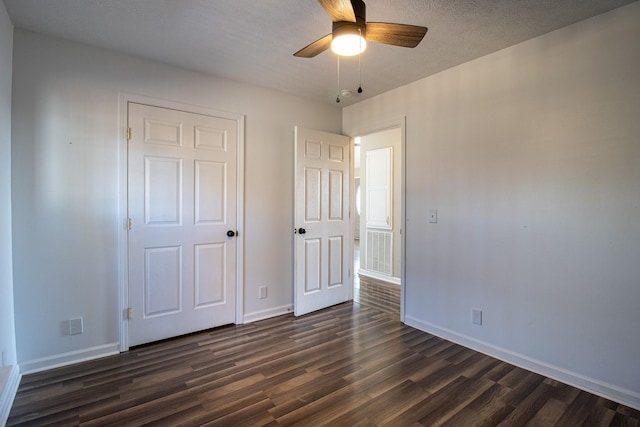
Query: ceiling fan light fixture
{"points": [[348, 39], [348, 45]]}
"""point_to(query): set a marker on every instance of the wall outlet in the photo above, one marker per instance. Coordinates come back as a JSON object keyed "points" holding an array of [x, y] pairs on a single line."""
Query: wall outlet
{"points": [[76, 326], [476, 316], [4, 357], [263, 292]]}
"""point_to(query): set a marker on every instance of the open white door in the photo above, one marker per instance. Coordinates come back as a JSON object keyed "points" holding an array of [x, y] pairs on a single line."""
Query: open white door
{"points": [[182, 222], [322, 238]]}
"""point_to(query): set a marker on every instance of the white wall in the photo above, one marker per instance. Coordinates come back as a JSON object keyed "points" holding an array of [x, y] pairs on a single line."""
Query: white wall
{"points": [[65, 185], [7, 331], [531, 156]]}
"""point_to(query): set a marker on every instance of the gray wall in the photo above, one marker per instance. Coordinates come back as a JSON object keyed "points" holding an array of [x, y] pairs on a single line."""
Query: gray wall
{"points": [[531, 156], [66, 167]]}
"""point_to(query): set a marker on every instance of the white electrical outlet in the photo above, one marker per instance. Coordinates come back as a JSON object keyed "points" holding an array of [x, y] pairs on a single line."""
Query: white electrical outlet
{"points": [[4, 357], [263, 292], [76, 326], [476, 316]]}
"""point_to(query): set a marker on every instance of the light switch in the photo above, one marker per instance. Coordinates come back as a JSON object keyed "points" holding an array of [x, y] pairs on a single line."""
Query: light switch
{"points": [[433, 216]]}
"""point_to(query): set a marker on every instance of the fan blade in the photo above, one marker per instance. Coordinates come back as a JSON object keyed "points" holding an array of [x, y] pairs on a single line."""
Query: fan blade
{"points": [[339, 10], [315, 48], [395, 34]]}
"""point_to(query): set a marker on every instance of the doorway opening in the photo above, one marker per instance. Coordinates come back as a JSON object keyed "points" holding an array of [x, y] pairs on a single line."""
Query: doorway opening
{"points": [[378, 218]]}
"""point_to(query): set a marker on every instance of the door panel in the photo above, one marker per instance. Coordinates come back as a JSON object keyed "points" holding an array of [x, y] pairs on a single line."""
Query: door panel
{"points": [[162, 281], [322, 220], [312, 193], [336, 257], [209, 279], [312, 265], [181, 201], [210, 181], [162, 193], [336, 197]]}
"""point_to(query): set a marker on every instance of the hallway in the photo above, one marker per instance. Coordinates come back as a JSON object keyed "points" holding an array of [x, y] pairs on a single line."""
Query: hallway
{"points": [[372, 292]]}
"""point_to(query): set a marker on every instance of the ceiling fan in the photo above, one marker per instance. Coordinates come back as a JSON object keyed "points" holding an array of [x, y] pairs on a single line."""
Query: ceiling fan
{"points": [[351, 31]]}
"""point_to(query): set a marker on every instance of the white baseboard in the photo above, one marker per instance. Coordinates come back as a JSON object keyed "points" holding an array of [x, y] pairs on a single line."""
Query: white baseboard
{"points": [[591, 385], [379, 276], [9, 382], [266, 314], [64, 359]]}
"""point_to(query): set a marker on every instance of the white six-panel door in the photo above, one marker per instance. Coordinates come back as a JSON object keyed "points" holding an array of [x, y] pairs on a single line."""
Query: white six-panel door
{"points": [[181, 205], [322, 245]]}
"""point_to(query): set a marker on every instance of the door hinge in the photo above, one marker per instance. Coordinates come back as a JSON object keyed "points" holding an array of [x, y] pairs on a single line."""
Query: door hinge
{"points": [[128, 223], [128, 134], [129, 313]]}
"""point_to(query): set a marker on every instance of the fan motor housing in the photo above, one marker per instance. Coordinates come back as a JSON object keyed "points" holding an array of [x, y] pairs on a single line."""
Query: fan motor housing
{"points": [[344, 27], [360, 12]]}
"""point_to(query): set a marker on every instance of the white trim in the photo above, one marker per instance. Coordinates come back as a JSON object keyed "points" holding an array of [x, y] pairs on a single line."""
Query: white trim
{"points": [[240, 223], [123, 247], [403, 213], [123, 260], [267, 314], [378, 276], [8, 390], [70, 358], [352, 215], [591, 385]]}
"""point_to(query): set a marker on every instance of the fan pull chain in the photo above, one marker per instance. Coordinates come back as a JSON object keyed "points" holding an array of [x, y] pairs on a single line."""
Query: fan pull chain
{"points": [[359, 67], [338, 94]]}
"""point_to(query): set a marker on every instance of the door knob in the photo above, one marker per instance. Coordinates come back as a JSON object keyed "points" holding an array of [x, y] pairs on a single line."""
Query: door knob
{"points": [[301, 231], [231, 233]]}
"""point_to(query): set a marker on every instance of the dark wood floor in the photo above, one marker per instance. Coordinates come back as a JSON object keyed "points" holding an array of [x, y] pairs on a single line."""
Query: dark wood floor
{"points": [[372, 292], [381, 295], [350, 365]]}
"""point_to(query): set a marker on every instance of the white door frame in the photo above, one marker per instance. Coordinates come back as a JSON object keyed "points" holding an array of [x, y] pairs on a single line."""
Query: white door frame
{"points": [[381, 126], [123, 256]]}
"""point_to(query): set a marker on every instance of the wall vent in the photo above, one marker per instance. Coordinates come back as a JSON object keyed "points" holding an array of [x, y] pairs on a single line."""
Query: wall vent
{"points": [[379, 252]]}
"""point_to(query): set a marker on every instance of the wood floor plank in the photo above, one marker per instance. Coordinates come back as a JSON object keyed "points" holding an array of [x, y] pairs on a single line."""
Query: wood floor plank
{"points": [[304, 395], [468, 391], [349, 365], [551, 411], [529, 406], [385, 406], [498, 372], [488, 409]]}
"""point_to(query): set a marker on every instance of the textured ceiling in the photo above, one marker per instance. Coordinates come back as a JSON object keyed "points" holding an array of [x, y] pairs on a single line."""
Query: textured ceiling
{"points": [[254, 40]]}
